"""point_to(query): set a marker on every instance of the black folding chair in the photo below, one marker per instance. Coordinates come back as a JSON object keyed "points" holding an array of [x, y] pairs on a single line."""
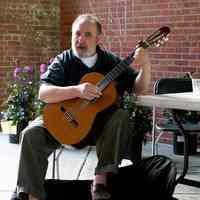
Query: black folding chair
{"points": [[177, 85]]}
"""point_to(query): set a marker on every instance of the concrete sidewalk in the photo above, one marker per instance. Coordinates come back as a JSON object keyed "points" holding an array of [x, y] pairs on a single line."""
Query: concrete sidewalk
{"points": [[72, 160]]}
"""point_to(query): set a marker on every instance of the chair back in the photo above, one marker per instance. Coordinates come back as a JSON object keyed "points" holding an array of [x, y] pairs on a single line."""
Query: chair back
{"points": [[172, 85]]}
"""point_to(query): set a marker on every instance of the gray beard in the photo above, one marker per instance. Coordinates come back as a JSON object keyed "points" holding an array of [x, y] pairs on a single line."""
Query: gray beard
{"points": [[84, 55]]}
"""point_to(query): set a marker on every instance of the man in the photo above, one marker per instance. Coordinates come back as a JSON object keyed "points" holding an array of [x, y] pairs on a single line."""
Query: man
{"points": [[111, 126]]}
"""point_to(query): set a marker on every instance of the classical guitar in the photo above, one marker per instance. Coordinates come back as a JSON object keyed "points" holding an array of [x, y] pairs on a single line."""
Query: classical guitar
{"points": [[70, 121]]}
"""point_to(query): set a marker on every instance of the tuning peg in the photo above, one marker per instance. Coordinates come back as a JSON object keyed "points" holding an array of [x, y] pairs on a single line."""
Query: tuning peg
{"points": [[157, 44], [166, 39], [162, 42]]}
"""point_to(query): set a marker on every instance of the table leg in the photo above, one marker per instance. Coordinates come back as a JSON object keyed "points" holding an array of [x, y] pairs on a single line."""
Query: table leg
{"points": [[153, 130], [181, 179]]}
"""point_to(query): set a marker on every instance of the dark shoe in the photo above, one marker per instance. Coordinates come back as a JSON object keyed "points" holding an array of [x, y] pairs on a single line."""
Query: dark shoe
{"points": [[100, 192], [20, 196]]}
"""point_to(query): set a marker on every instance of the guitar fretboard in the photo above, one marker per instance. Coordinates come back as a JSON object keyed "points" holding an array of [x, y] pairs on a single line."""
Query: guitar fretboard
{"points": [[115, 72]]}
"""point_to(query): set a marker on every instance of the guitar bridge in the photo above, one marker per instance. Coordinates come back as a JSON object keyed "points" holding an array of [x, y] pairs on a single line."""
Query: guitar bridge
{"points": [[69, 117], [74, 123]]}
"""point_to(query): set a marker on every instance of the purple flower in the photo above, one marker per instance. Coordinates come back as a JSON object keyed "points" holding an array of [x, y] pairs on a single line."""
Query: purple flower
{"points": [[43, 68], [16, 72], [28, 70], [41, 76]]}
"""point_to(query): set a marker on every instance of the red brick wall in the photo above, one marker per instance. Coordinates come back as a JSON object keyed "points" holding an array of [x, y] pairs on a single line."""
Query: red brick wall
{"points": [[29, 32], [127, 21]]}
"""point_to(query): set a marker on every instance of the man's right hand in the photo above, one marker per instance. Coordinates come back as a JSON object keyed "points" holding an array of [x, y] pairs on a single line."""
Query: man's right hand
{"points": [[88, 91]]}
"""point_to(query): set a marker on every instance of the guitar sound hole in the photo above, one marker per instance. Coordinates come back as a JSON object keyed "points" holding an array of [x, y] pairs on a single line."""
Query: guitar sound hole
{"points": [[62, 109]]}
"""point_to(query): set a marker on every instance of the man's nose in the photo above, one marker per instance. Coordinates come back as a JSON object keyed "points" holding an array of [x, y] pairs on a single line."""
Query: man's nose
{"points": [[81, 38]]}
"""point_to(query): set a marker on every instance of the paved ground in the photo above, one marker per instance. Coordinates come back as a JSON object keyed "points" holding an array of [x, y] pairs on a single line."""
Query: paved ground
{"points": [[9, 161]]}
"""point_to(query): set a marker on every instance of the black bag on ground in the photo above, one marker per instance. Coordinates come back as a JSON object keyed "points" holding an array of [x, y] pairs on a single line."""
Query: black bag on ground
{"points": [[153, 177]]}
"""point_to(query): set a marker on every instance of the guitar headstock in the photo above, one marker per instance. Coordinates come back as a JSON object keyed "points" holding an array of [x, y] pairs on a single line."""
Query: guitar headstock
{"points": [[157, 38]]}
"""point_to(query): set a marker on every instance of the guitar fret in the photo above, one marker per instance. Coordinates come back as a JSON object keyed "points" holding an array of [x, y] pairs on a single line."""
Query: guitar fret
{"points": [[115, 73]]}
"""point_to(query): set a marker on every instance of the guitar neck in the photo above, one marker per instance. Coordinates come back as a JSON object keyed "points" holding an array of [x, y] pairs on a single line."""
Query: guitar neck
{"points": [[154, 39], [115, 72]]}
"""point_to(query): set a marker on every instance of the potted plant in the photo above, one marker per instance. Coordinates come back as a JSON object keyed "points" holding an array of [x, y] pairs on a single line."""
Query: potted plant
{"points": [[141, 120], [22, 104], [141, 116]]}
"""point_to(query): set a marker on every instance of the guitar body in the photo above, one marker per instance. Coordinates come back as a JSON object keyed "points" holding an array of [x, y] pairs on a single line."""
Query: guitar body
{"points": [[70, 121]]}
